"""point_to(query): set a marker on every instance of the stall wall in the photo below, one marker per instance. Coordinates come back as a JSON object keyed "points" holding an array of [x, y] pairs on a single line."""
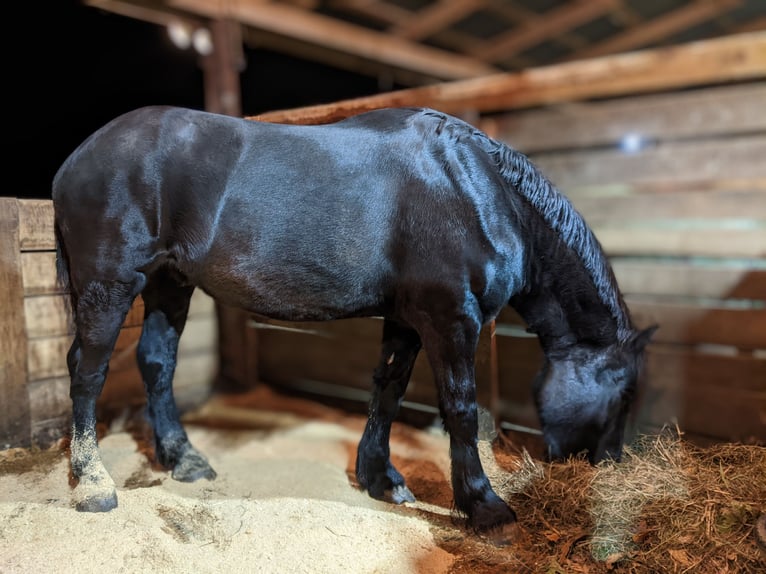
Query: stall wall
{"points": [[34, 390], [674, 186]]}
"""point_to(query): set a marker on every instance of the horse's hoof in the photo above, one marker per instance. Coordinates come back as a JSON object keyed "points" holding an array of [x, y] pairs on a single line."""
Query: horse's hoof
{"points": [[503, 535], [192, 467], [492, 514], [401, 494], [95, 502]]}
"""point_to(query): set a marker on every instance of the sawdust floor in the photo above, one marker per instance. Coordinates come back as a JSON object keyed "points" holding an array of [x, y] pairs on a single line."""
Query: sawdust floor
{"points": [[285, 500]]}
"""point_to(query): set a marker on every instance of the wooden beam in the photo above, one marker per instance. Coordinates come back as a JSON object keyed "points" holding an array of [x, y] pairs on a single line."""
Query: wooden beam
{"points": [[542, 28], [435, 17], [737, 57], [222, 68], [752, 26], [156, 16], [383, 12], [659, 28], [325, 31], [698, 114], [671, 161], [523, 16]]}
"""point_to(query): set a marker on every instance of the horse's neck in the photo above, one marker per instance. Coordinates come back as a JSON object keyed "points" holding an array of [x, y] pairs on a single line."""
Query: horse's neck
{"points": [[560, 302]]}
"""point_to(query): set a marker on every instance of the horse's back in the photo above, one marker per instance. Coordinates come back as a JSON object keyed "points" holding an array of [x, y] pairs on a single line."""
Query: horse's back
{"points": [[328, 217]]}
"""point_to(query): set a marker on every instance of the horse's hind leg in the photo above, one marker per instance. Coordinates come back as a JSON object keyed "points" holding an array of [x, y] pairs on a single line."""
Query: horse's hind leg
{"points": [[166, 304], [100, 311], [374, 470]]}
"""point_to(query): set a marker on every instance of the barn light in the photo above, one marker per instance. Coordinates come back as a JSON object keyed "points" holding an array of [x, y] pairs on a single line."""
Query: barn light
{"points": [[180, 34], [203, 41], [632, 142]]}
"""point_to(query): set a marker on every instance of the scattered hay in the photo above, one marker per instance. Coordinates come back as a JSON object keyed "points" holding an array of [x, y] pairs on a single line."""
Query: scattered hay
{"points": [[669, 506]]}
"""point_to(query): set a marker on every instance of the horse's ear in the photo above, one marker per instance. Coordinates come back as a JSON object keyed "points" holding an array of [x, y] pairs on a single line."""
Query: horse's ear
{"points": [[641, 339]]}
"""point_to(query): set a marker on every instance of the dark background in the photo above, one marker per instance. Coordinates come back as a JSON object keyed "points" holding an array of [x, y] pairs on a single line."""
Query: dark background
{"points": [[71, 68]]}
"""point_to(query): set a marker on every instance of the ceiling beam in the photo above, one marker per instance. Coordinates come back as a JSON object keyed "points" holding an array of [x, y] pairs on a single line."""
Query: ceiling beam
{"points": [[436, 17], [729, 58], [382, 12], [325, 31], [752, 26], [524, 16], [659, 28], [139, 12], [543, 27]]}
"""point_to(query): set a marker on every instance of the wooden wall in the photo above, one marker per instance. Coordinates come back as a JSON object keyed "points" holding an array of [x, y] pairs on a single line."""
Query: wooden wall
{"points": [[683, 220], [36, 333]]}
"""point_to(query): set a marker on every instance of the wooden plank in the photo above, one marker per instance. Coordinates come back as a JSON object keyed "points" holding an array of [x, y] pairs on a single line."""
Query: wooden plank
{"points": [[36, 225], [730, 58], [659, 28], [15, 423], [697, 324], [38, 271], [701, 205], [721, 184], [714, 395], [519, 361], [668, 162], [200, 334], [39, 276], [346, 352], [46, 357], [49, 399], [698, 113], [434, 17], [681, 386], [658, 241], [201, 304], [48, 315], [715, 281], [686, 323], [324, 31], [554, 22]]}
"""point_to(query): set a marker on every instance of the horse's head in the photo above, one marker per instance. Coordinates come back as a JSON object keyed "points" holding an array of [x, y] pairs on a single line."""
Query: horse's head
{"points": [[583, 396]]}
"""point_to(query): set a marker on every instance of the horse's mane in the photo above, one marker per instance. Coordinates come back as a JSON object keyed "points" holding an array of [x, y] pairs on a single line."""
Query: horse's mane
{"points": [[559, 213]]}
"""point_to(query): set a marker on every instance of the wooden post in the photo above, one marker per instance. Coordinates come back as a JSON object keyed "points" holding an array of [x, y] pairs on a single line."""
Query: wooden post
{"points": [[222, 68], [15, 423], [494, 377], [237, 341]]}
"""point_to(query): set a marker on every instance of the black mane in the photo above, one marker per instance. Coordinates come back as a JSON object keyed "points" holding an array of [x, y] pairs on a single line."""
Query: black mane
{"points": [[559, 213]]}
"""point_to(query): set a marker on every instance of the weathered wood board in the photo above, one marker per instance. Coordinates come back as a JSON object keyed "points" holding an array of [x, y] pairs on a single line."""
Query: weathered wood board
{"points": [[37, 332]]}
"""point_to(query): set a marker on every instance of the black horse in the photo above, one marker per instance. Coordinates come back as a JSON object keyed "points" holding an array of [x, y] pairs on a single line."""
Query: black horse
{"points": [[408, 214]]}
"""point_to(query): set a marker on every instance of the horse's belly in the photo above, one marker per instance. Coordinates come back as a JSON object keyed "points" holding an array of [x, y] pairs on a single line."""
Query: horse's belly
{"points": [[298, 287]]}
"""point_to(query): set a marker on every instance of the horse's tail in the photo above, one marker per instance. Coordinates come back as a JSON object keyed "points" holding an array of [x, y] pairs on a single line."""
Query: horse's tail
{"points": [[62, 271]]}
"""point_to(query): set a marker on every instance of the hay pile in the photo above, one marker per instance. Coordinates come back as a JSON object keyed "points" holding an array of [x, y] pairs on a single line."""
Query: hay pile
{"points": [[668, 507]]}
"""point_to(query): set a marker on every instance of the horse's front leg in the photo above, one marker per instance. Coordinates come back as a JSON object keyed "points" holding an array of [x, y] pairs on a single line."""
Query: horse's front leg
{"points": [[451, 351], [374, 470]]}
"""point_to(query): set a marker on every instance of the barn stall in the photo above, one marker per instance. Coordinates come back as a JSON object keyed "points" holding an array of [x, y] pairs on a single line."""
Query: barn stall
{"points": [[680, 213]]}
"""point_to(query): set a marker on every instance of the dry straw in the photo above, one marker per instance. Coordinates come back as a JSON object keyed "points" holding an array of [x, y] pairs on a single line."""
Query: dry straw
{"points": [[669, 506]]}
